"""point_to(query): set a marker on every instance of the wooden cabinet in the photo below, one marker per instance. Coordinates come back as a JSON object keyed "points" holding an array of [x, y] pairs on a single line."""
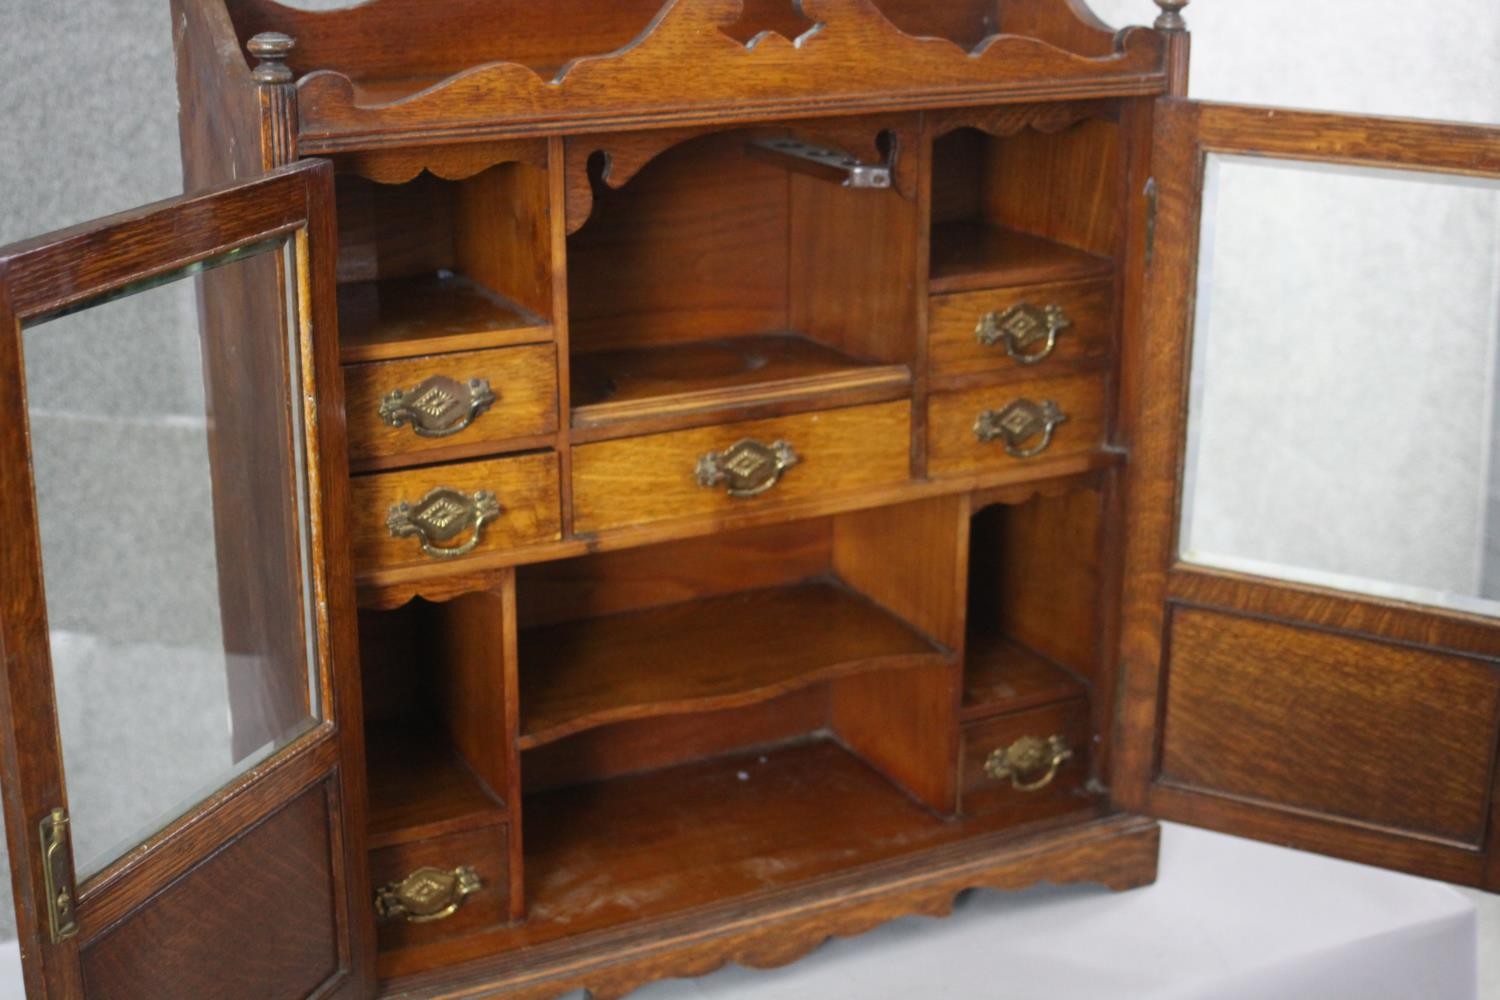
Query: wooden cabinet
{"points": [[680, 494]]}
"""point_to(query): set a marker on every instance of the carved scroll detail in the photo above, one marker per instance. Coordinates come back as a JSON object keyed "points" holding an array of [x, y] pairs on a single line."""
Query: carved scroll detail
{"points": [[451, 163], [685, 66]]}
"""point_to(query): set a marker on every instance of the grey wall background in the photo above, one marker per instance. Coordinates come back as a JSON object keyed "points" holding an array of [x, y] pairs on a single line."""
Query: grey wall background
{"points": [[88, 104]]}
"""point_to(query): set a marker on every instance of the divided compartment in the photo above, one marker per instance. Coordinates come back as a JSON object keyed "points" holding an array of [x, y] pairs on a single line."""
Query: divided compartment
{"points": [[434, 266], [1030, 206], [438, 706], [1035, 648], [731, 272], [678, 630]]}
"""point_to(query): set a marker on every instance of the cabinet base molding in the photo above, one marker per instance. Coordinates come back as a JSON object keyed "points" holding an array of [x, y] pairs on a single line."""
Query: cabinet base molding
{"points": [[1117, 851]]}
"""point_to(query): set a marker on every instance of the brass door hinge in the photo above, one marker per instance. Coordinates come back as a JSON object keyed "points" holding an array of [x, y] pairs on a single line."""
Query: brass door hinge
{"points": [[57, 876]]}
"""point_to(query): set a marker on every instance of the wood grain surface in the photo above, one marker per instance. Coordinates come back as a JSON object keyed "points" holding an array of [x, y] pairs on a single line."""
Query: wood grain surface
{"points": [[637, 480]]}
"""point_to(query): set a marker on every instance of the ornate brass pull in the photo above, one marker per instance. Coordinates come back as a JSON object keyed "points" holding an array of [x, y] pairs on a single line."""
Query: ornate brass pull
{"points": [[443, 515], [1019, 422], [1021, 327], [1030, 763], [749, 468], [438, 406], [427, 894]]}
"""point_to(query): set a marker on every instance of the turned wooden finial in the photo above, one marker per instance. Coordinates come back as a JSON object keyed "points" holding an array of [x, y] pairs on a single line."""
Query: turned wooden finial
{"points": [[1171, 15], [271, 49]]}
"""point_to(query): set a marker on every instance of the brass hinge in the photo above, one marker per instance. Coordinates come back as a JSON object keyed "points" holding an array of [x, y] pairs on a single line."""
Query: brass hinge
{"points": [[1152, 199], [57, 875]]}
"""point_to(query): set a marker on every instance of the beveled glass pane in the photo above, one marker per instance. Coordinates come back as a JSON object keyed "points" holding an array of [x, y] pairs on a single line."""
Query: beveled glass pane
{"points": [[178, 599], [1342, 417]]}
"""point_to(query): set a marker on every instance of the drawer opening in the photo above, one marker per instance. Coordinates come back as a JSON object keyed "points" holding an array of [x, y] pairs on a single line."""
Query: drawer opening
{"points": [[725, 275], [1029, 205], [1034, 604], [433, 266]]}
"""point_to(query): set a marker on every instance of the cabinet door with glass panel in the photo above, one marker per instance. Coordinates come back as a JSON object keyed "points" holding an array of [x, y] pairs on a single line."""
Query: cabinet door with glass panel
{"points": [[1312, 622], [173, 618]]}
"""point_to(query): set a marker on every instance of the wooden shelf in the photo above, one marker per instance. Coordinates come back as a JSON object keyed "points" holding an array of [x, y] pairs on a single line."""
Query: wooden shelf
{"points": [[421, 788], [435, 314], [970, 256], [647, 846], [715, 653], [618, 385], [1003, 676]]}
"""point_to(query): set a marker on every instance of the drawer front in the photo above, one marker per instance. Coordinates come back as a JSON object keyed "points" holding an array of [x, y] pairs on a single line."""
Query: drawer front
{"points": [[653, 478], [441, 502], [1016, 325], [441, 407], [1016, 418], [1008, 761], [483, 850]]}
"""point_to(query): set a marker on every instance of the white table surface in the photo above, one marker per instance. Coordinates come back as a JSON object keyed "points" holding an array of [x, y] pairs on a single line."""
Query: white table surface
{"points": [[1228, 919]]}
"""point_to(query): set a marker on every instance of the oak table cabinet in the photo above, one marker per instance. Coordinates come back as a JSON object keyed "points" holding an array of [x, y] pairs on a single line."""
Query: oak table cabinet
{"points": [[686, 480]]}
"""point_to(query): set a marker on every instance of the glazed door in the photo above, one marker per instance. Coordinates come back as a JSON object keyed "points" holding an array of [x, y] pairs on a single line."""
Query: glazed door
{"points": [[182, 799], [1312, 620]]}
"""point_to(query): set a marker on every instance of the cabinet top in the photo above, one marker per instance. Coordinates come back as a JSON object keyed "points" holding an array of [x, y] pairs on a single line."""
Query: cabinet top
{"points": [[399, 72]]}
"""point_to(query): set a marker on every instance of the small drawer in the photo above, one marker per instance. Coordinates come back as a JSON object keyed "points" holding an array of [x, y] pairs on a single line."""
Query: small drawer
{"points": [[468, 870], [1010, 329], [738, 467], [1009, 425], [447, 512], [1016, 759], [413, 409]]}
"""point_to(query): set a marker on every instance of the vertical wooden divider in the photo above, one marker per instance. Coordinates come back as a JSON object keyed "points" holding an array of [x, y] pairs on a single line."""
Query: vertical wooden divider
{"points": [[557, 188], [914, 561], [479, 698]]}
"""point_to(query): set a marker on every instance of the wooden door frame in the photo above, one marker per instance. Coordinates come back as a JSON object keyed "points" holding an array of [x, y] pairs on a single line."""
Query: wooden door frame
{"points": [[41, 277], [1156, 373]]}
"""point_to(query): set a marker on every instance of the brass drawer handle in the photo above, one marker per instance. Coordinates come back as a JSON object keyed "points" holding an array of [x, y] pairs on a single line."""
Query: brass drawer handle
{"points": [[1019, 422], [748, 468], [438, 406], [443, 515], [427, 894], [1021, 327], [1030, 763]]}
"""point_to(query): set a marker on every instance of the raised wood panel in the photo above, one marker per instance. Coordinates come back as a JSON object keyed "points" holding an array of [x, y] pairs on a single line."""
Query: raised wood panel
{"points": [[1342, 727], [206, 937], [955, 319], [523, 380], [525, 486], [633, 481], [953, 447]]}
